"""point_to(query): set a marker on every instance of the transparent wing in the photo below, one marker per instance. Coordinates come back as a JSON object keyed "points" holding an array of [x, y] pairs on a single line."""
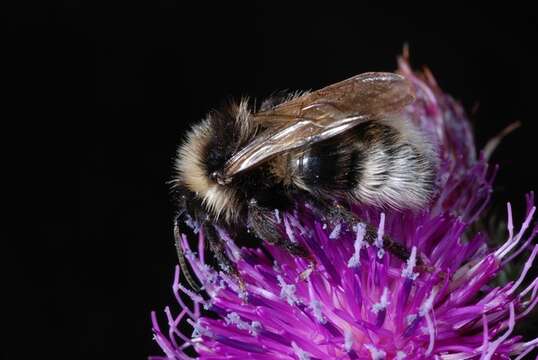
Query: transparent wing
{"points": [[322, 114]]}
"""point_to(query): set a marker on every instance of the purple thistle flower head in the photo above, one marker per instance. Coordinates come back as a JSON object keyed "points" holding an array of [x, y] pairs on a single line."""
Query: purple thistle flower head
{"points": [[359, 301]]}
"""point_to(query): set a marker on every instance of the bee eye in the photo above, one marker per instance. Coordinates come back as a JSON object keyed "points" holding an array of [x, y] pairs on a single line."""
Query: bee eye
{"points": [[214, 175], [219, 178]]}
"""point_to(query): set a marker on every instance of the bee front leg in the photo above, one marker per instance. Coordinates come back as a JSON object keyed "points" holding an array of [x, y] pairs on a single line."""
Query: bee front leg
{"points": [[217, 246], [265, 223]]}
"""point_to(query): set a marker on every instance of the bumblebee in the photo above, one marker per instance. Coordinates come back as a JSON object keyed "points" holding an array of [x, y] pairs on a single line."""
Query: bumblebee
{"points": [[350, 142]]}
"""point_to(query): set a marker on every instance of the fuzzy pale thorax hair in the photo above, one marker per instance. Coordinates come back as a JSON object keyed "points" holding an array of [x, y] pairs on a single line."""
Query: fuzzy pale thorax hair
{"points": [[190, 166]]}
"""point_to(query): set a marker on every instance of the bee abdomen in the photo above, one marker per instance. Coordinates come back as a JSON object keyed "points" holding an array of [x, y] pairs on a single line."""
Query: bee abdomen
{"points": [[375, 164], [398, 168], [328, 166]]}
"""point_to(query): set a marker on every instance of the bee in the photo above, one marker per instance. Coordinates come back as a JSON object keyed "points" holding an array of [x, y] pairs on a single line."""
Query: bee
{"points": [[348, 142]]}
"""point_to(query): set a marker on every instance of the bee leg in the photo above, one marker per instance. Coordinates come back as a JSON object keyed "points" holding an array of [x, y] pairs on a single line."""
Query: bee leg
{"points": [[337, 212], [218, 249], [398, 250], [389, 244], [265, 223]]}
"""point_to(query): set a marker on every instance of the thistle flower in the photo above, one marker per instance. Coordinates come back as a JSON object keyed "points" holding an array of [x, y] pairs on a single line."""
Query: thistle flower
{"points": [[359, 301]]}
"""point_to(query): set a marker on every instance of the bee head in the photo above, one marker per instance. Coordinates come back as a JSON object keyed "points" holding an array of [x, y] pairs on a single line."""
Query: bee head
{"points": [[203, 154]]}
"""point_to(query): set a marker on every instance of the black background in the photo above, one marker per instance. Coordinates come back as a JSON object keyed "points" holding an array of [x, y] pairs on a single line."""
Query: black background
{"points": [[98, 98]]}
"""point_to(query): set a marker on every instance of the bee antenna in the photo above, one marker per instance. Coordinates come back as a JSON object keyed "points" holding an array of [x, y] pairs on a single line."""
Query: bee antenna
{"points": [[405, 51]]}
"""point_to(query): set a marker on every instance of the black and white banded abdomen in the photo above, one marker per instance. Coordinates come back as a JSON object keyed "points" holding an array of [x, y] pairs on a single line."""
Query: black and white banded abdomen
{"points": [[382, 163]]}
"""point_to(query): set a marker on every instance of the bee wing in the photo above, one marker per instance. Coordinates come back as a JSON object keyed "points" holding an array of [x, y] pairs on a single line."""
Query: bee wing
{"points": [[322, 114]]}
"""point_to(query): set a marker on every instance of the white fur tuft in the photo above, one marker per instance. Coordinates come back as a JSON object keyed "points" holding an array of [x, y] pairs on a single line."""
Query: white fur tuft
{"points": [[400, 176], [192, 173]]}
